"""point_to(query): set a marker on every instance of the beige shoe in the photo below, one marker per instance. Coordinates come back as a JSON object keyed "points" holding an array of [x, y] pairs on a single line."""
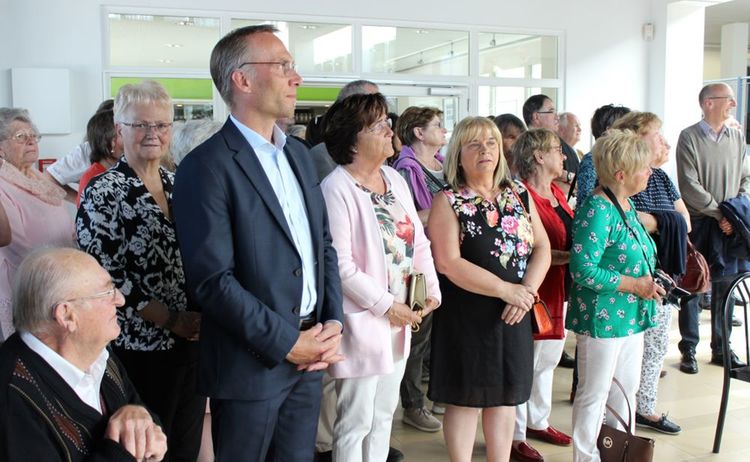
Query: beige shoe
{"points": [[422, 419]]}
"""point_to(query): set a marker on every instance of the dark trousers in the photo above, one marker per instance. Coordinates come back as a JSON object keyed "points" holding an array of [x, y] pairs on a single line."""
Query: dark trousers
{"points": [[165, 381], [279, 429], [724, 266], [412, 396], [690, 311]]}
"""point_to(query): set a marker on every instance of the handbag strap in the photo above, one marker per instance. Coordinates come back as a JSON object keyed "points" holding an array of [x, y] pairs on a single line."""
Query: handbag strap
{"points": [[617, 416], [616, 203]]}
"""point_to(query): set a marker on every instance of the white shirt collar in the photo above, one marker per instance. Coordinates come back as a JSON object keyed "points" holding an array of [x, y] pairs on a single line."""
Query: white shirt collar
{"points": [[256, 140], [85, 384]]}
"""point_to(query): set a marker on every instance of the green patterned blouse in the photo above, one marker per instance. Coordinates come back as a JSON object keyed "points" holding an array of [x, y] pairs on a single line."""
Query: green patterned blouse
{"points": [[603, 251]]}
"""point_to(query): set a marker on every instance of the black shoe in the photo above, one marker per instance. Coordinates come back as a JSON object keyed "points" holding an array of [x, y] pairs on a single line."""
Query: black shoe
{"points": [[688, 364], [394, 455], [567, 361], [326, 456], [663, 425], [718, 359]]}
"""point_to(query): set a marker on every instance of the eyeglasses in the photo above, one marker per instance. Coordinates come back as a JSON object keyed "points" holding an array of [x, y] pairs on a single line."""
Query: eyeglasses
{"points": [[551, 111], [107, 293], [557, 148], [438, 125], [144, 127], [380, 127], [286, 66], [25, 137], [722, 97]]}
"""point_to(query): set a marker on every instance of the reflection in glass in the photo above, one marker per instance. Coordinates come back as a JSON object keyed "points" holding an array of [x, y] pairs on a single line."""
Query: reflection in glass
{"points": [[148, 41], [508, 100], [317, 48], [517, 56], [404, 50]]}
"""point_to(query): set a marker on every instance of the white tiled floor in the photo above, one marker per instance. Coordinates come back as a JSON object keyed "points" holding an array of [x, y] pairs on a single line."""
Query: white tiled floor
{"points": [[691, 400]]}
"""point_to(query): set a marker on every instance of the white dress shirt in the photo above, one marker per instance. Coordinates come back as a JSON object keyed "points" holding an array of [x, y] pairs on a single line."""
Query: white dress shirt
{"points": [[85, 384]]}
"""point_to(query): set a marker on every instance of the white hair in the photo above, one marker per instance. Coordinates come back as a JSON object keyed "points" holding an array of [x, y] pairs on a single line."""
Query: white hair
{"points": [[186, 136]]}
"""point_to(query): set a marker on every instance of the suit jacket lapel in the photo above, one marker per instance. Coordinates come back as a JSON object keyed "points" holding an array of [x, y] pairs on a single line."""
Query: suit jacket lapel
{"points": [[250, 165]]}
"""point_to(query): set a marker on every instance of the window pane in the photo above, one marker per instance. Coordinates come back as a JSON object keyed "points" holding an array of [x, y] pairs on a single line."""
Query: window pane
{"points": [[403, 50], [161, 41], [501, 100], [317, 48], [517, 56], [191, 98]]}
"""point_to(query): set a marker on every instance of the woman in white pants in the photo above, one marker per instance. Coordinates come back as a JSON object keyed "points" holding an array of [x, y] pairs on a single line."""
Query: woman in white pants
{"points": [[613, 296], [380, 242], [538, 159]]}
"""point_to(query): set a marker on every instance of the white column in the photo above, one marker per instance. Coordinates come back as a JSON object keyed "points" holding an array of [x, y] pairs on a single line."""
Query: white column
{"points": [[734, 49]]}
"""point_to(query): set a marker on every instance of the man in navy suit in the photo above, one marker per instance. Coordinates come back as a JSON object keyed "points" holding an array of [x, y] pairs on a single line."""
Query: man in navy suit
{"points": [[258, 259]]}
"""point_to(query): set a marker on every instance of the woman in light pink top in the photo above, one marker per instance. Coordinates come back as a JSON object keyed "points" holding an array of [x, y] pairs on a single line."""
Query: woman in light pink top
{"points": [[36, 215], [380, 241]]}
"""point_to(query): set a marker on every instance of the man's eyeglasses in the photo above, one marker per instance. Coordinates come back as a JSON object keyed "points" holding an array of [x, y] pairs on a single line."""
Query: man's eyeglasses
{"points": [[286, 66], [551, 111], [107, 293], [144, 127], [722, 97], [25, 137], [380, 126]]}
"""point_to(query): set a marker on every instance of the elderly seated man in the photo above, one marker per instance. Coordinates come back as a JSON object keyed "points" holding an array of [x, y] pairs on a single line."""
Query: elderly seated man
{"points": [[63, 396]]}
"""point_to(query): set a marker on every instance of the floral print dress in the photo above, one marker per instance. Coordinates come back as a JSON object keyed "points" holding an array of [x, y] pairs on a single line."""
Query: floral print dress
{"points": [[478, 360]]}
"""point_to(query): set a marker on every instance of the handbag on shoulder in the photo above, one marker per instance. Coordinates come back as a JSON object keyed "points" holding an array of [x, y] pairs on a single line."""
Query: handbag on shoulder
{"points": [[697, 278], [623, 446], [417, 299]]}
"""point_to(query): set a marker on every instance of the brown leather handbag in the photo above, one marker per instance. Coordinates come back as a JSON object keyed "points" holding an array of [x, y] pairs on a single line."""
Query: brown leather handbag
{"points": [[623, 446], [541, 320], [697, 278]]}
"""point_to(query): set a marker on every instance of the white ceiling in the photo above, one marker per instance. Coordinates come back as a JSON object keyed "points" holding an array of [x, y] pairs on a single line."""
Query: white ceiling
{"points": [[724, 13]]}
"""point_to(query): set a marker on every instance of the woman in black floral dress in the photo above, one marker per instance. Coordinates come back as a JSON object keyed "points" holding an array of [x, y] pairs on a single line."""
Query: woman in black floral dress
{"points": [[125, 222], [492, 254]]}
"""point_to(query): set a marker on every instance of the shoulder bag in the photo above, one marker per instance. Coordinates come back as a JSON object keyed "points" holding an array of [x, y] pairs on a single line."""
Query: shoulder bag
{"points": [[623, 446]]}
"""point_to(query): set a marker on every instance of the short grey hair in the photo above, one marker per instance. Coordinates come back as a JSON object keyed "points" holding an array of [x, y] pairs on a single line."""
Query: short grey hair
{"points": [[146, 92], [229, 53], [563, 116], [186, 136], [8, 115], [43, 280], [356, 87]]}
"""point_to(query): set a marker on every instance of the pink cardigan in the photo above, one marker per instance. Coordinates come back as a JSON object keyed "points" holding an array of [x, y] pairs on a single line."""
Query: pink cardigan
{"points": [[367, 341]]}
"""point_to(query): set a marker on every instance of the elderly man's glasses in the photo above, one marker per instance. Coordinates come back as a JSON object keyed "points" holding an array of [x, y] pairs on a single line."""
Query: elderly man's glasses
{"points": [[111, 293], [286, 66], [381, 126], [550, 111], [731, 98], [25, 137], [143, 127]]}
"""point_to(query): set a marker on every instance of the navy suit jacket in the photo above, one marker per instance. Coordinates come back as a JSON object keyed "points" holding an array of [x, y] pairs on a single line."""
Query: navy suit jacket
{"points": [[242, 268]]}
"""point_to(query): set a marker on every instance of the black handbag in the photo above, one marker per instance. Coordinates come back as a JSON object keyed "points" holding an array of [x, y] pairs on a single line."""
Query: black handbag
{"points": [[623, 446]]}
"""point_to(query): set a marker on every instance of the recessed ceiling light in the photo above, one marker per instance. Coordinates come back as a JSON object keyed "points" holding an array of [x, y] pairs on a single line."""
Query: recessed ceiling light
{"points": [[422, 31], [308, 26], [165, 61], [173, 45]]}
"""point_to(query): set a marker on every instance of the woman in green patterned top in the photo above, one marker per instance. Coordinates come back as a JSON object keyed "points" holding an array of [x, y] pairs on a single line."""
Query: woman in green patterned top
{"points": [[613, 297]]}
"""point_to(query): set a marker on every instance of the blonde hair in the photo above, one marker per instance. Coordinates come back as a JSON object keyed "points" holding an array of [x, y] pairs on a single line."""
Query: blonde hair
{"points": [[527, 145], [638, 122], [619, 150], [466, 130]]}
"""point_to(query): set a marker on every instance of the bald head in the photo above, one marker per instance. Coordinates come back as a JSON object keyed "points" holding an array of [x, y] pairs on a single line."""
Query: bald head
{"points": [[45, 277]]}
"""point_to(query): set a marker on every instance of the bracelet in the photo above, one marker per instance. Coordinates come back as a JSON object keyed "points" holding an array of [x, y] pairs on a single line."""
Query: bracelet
{"points": [[171, 320]]}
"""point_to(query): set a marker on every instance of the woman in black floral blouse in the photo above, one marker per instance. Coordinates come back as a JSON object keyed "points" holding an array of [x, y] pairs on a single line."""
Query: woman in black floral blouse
{"points": [[125, 222]]}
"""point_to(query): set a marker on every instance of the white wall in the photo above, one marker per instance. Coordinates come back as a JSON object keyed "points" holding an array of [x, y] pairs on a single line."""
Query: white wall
{"points": [[606, 59], [712, 64]]}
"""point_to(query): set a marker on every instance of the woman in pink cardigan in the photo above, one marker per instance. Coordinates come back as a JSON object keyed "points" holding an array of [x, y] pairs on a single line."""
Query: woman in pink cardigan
{"points": [[380, 242]]}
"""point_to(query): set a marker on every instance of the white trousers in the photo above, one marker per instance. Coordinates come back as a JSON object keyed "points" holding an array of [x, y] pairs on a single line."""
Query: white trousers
{"points": [[536, 411], [599, 360], [324, 438], [364, 409]]}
